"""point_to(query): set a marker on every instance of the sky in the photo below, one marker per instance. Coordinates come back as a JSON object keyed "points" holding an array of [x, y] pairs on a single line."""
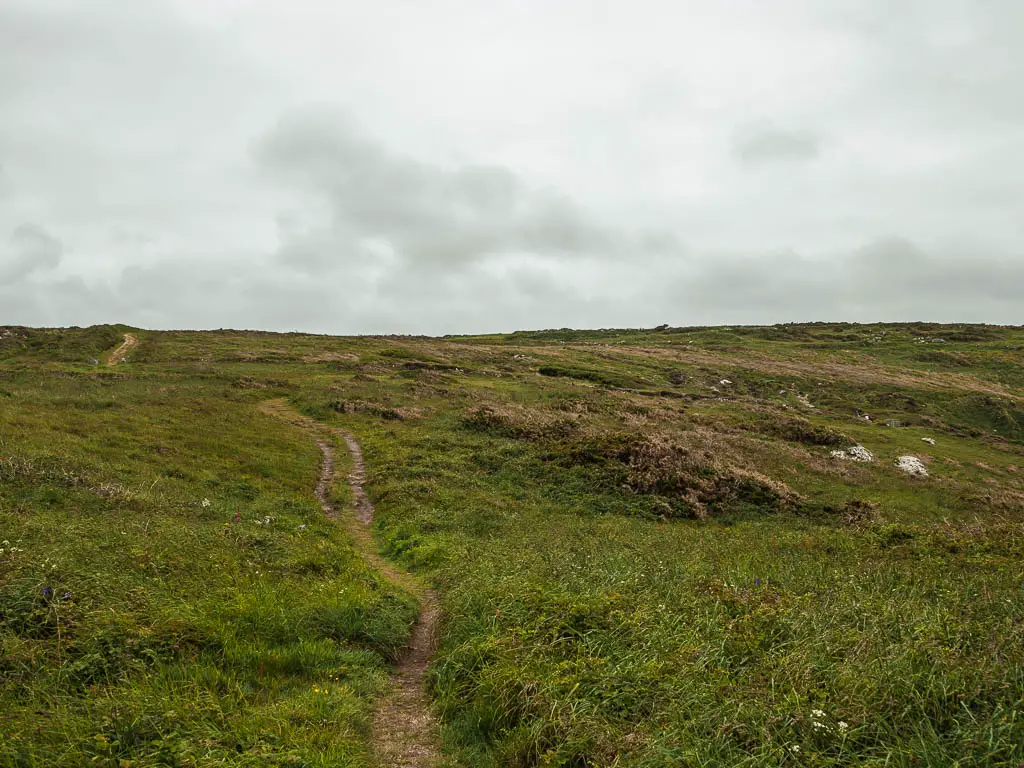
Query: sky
{"points": [[455, 166]]}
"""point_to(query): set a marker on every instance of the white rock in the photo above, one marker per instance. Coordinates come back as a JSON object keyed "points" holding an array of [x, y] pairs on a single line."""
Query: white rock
{"points": [[725, 382], [928, 440], [856, 453], [912, 466]]}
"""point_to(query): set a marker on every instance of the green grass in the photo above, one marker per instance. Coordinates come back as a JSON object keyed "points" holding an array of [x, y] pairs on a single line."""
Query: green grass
{"points": [[169, 591], [639, 565]]}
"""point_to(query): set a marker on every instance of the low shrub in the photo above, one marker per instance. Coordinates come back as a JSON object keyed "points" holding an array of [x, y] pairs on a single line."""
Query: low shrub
{"points": [[519, 421], [800, 430]]}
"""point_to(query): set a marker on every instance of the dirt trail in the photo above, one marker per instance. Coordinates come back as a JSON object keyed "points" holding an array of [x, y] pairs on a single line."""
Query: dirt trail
{"points": [[404, 728], [118, 355]]}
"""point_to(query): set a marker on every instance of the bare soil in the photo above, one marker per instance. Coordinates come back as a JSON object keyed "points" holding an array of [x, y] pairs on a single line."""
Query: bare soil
{"points": [[119, 354]]}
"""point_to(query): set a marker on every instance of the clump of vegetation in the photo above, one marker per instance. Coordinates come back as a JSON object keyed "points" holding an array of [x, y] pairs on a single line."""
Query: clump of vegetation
{"points": [[697, 483], [859, 512], [381, 410], [676, 377], [800, 430], [518, 421], [603, 378]]}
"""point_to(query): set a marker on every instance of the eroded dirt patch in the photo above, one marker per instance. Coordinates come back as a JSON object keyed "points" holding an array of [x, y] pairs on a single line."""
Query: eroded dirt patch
{"points": [[119, 354]]}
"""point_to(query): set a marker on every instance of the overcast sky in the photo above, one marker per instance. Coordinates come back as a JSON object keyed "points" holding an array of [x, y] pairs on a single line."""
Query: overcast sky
{"points": [[464, 166]]}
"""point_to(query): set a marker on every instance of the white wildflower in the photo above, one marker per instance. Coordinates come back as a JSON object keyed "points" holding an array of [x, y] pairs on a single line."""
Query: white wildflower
{"points": [[205, 502], [795, 748], [843, 726], [817, 713]]}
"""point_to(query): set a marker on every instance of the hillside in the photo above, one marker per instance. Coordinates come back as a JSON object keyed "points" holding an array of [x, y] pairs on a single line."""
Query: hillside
{"points": [[649, 547]]}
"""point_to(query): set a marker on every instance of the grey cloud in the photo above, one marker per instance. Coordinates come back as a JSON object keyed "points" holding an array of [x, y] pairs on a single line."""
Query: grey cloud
{"points": [[888, 279], [429, 215], [701, 169], [30, 249], [760, 145]]}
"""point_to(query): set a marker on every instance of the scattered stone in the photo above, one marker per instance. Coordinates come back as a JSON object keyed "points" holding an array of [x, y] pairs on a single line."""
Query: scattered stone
{"points": [[725, 382], [929, 440], [855, 453], [804, 401], [912, 466]]}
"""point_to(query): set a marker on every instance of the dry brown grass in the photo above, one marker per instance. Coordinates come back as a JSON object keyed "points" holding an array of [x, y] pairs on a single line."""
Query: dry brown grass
{"points": [[382, 410], [700, 474], [520, 421], [331, 357], [859, 512], [864, 371]]}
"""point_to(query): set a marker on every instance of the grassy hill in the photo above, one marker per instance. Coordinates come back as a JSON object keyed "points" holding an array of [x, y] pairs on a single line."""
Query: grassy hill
{"points": [[646, 552]]}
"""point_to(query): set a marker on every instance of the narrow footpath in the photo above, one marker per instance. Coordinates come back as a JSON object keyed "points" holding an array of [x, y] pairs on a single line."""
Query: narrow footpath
{"points": [[404, 728]]}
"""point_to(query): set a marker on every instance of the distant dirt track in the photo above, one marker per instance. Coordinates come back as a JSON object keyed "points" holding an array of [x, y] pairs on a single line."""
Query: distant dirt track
{"points": [[118, 355]]}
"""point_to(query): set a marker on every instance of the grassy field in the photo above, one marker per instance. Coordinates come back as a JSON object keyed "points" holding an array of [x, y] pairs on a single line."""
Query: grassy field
{"points": [[646, 553]]}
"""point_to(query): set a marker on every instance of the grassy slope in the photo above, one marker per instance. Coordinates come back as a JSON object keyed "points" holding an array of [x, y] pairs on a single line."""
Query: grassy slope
{"points": [[640, 566], [169, 591]]}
